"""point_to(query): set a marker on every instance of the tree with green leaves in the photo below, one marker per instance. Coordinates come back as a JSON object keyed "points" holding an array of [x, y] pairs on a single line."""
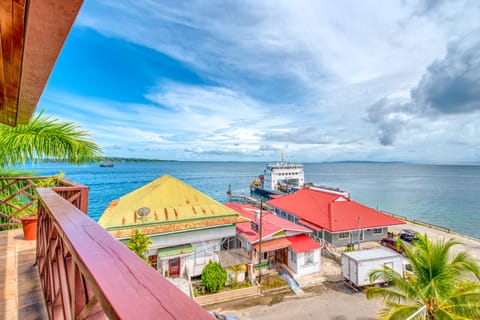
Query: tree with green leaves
{"points": [[213, 276], [445, 284], [139, 244], [46, 138]]}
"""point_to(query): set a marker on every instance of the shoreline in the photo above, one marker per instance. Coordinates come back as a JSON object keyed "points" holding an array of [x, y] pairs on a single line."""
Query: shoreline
{"points": [[420, 223]]}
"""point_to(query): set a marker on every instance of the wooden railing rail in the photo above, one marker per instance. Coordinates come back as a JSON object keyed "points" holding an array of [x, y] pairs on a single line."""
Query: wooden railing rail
{"points": [[87, 274], [18, 196]]}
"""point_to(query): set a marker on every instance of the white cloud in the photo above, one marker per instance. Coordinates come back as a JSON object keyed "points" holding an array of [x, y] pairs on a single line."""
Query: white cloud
{"points": [[301, 74]]}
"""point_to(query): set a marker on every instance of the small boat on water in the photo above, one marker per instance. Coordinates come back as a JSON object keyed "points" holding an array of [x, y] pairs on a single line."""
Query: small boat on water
{"points": [[280, 178], [106, 164]]}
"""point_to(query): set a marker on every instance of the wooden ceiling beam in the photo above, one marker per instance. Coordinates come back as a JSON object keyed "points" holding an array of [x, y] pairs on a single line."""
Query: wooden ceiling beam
{"points": [[32, 36]]}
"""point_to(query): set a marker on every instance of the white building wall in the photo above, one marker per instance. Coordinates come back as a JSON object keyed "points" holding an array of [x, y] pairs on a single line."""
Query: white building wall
{"points": [[180, 238], [205, 242], [300, 267]]}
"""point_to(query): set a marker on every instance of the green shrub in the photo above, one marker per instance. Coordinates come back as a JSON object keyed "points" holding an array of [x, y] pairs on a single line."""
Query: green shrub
{"points": [[213, 277]]}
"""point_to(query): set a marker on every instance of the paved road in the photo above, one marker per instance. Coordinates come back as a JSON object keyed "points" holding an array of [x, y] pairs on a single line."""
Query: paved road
{"points": [[470, 245], [336, 303]]}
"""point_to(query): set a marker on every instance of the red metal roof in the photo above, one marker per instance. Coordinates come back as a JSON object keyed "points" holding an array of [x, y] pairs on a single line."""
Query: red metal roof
{"points": [[303, 243], [271, 224], [331, 211], [310, 225]]}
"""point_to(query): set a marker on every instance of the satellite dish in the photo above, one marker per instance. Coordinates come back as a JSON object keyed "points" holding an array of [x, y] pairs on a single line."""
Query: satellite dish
{"points": [[144, 211]]}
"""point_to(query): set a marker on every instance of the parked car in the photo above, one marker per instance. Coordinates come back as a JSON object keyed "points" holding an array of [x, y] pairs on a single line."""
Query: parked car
{"points": [[392, 244], [408, 235], [224, 316]]}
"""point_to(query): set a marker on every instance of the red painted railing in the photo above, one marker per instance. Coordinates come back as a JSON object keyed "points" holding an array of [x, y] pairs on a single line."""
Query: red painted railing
{"points": [[18, 196], [87, 274]]}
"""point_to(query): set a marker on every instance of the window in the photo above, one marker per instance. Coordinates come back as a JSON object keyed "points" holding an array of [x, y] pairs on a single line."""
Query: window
{"points": [[264, 256], [293, 256], [343, 235], [308, 257], [377, 231]]}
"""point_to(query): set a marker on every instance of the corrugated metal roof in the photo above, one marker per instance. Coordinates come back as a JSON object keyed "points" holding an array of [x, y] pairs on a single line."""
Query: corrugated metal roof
{"points": [[274, 244], [303, 243], [172, 206], [233, 257], [271, 224], [333, 212]]}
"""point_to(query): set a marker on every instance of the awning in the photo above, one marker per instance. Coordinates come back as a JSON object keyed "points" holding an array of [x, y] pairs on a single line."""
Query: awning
{"points": [[175, 251], [310, 225], [275, 244], [303, 243]]}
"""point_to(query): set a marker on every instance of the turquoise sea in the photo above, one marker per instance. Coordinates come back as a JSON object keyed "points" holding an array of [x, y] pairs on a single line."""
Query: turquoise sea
{"points": [[445, 195]]}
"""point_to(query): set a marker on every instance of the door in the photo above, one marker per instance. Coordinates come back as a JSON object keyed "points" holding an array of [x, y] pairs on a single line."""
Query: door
{"points": [[282, 255], [174, 267], [153, 261]]}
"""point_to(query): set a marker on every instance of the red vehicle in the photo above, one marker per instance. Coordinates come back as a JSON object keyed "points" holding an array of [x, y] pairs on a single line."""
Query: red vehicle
{"points": [[393, 244]]}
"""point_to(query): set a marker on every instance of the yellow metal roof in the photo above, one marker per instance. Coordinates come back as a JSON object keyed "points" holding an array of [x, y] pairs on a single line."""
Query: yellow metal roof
{"points": [[173, 206]]}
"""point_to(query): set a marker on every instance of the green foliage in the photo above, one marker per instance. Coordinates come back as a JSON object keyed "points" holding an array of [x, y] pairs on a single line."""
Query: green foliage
{"points": [[45, 138], [139, 244], [17, 195], [439, 281], [273, 281], [213, 277], [235, 286]]}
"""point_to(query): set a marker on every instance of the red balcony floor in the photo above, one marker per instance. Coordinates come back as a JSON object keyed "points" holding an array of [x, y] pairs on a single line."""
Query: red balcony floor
{"points": [[21, 294]]}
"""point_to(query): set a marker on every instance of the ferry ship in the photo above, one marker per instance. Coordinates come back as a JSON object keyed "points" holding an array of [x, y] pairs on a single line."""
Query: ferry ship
{"points": [[280, 178]]}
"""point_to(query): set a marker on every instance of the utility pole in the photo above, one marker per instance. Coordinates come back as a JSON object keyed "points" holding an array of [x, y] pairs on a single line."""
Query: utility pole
{"points": [[358, 223], [260, 244]]}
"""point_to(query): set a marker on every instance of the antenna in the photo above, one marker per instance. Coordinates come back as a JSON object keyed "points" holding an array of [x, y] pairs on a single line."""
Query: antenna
{"points": [[143, 212]]}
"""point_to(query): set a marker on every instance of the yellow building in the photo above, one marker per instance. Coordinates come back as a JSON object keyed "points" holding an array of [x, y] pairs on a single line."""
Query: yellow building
{"points": [[185, 225]]}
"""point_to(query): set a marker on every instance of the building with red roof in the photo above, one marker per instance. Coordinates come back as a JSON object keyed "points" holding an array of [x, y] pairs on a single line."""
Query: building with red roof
{"points": [[283, 242], [333, 217]]}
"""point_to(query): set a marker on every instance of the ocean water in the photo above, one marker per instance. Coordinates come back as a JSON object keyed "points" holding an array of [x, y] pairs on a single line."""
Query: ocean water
{"points": [[444, 195]]}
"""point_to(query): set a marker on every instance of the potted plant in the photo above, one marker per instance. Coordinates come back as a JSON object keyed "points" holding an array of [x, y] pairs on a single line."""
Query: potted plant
{"points": [[29, 226]]}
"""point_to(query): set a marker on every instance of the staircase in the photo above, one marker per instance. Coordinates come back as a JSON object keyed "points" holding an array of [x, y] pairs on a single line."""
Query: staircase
{"points": [[292, 283]]}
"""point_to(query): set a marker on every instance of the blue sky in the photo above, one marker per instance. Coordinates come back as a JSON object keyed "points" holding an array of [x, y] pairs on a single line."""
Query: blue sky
{"points": [[244, 80]]}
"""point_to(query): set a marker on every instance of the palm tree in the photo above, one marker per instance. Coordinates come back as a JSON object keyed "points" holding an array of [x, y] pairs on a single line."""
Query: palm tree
{"points": [[44, 138], [444, 283], [139, 244]]}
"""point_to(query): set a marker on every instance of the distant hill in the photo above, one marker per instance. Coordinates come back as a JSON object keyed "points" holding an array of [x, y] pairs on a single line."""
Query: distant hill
{"points": [[360, 161], [118, 159]]}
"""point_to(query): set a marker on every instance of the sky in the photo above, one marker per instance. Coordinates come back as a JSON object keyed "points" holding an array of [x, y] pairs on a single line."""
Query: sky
{"points": [[248, 80]]}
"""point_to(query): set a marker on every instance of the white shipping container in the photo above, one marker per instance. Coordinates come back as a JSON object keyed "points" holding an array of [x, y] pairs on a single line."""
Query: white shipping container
{"points": [[357, 265]]}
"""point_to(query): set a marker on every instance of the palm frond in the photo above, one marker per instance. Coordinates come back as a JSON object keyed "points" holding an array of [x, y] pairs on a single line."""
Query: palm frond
{"points": [[44, 138]]}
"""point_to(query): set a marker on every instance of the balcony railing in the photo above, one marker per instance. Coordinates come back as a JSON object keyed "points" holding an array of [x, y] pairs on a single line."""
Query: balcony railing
{"points": [[18, 196], [85, 273]]}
